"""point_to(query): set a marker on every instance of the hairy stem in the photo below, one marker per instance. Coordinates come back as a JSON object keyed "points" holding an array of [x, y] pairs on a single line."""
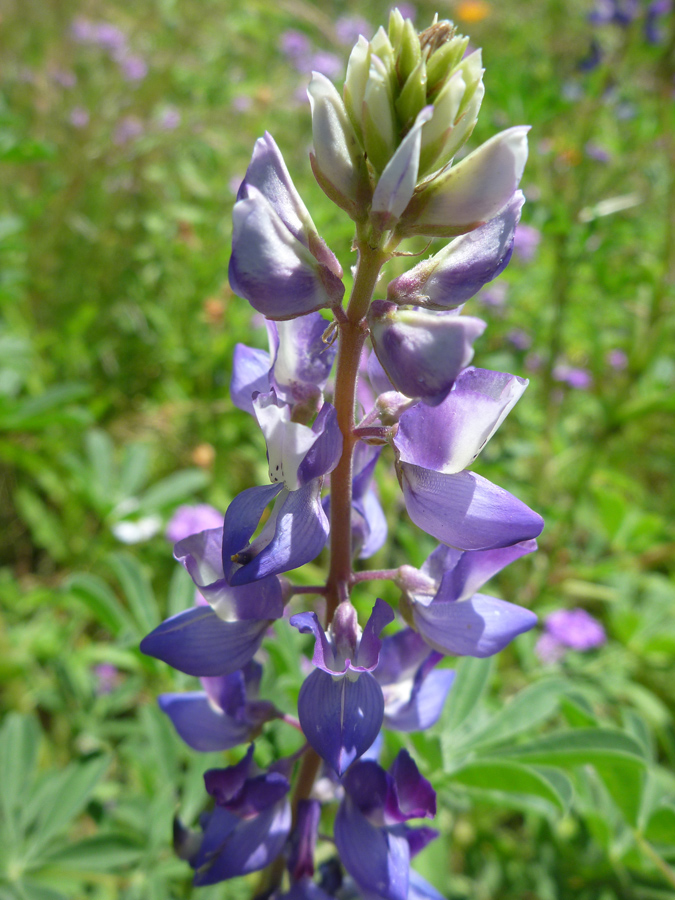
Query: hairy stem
{"points": [[352, 337]]}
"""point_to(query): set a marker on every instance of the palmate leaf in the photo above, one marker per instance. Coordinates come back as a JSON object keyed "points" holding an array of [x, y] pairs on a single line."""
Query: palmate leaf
{"points": [[19, 744], [528, 708], [102, 853], [102, 602], [505, 777], [137, 590]]}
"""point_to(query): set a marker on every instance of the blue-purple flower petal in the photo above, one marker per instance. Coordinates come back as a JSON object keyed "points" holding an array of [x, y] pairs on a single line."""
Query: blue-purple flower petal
{"points": [[200, 725], [250, 374], [340, 717]]}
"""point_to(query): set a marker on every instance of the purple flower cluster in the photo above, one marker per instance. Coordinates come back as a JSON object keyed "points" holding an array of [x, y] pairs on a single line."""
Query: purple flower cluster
{"points": [[113, 41], [569, 629], [423, 403]]}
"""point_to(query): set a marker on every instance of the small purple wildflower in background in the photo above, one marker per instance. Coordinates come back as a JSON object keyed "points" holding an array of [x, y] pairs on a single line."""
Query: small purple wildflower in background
{"points": [[597, 152], [526, 241], [617, 359], [188, 520], [79, 117], [576, 378], [107, 678], [133, 67], [328, 64], [407, 10], [169, 118], [533, 361], [110, 38], [494, 297], [348, 29], [294, 44], [64, 77], [569, 629], [128, 128], [519, 338], [242, 103]]}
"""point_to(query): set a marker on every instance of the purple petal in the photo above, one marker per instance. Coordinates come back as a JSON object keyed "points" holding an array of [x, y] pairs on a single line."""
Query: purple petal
{"points": [[377, 376], [323, 658], [369, 788], [369, 648], [373, 533], [300, 530], [466, 510], [422, 352], [378, 861], [480, 626], [448, 437], [224, 784], [401, 656], [461, 269], [325, 453], [340, 718], [271, 268], [200, 725], [251, 846], [303, 361], [192, 518], [425, 704], [242, 518], [250, 374], [420, 889], [418, 839], [303, 840], [415, 795], [474, 568], [198, 642], [259, 793]]}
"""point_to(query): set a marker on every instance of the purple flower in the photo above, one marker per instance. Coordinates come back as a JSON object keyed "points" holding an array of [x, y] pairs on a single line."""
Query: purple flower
{"points": [[326, 63], [107, 678], [249, 825], [226, 713], [79, 117], [617, 359], [441, 601], [435, 444], [494, 297], [526, 241], [597, 152], [348, 29], [340, 706], [221, 637], [295, 44], [128, 129], [188, 520], [374, 842], [133, 67], [519, 338], [110, 38], [279, 263], [169, 119], [575, 628], [577, 378], [64, 77]]}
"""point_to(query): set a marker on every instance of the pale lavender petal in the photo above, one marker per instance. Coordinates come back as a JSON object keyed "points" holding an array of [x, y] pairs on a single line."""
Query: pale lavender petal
{"points": [[374, 532], [461, 269], [377, 376], [200, 725], [466, 510], [575, 628], [369, 648], [251, 846], [191, 519], [480, 626], [340, 718], [250, 374], [417, 838], [401, 656], [378, 861], [422, 352], [198, 642], [302, 361], [419, 889], [474, 568], [448, 437], [300, 533], [423, 709], [397, 182]]}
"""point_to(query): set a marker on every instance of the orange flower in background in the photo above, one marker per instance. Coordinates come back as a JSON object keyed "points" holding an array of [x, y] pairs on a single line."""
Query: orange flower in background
{"points": [[471, 11]]}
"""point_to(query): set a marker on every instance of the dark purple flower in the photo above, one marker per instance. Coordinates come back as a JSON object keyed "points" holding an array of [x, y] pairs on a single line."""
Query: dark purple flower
{"points": [[191, 519], [249, 825], [654, 32], [226, 713], [279, 263], [340, 706], [374, 843]]}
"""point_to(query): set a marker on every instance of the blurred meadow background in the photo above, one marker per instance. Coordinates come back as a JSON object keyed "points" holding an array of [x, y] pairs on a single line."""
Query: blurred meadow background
{"points": [[124, 132]]}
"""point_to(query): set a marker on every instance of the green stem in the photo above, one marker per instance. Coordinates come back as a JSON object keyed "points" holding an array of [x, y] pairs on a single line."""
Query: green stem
{"points": [[352, 336]]}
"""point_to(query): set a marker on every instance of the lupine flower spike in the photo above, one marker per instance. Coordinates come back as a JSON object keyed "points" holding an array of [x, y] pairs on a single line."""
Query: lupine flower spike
{"points": [[385, 152]]}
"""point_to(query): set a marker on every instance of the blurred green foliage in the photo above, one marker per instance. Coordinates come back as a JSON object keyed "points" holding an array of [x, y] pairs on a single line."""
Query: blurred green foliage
{"points": [[116, 335]]}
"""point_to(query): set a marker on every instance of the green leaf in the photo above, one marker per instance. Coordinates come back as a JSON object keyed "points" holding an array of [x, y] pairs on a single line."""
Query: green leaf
{"points": [[625, 781], [71, 790], [509, 777], [181, 594], [34, 413], [31, 890], [134, 469], [532, 705], [19, 744], [102, 853], [137, 590], [102, 602], [469, 685], [100, 453], [177, 487], [661, 825], [45, 527], [583, 746]]}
